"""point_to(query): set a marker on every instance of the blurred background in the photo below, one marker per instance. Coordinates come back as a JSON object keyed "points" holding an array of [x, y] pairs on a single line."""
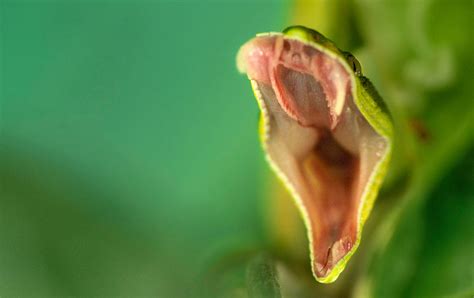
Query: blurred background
{"points": [[130, 162]]}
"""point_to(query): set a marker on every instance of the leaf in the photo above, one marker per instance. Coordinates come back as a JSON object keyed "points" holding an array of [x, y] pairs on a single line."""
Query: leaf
{"points": [[446, 262], [430, 252], [262, 280]]}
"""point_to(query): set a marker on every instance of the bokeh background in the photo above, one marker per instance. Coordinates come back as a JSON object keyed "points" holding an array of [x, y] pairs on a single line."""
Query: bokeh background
{"points": [[129, 157], [128, 147]]}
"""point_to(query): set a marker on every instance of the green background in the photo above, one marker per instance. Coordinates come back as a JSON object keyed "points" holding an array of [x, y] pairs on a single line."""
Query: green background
{"points": [[129, 149]]}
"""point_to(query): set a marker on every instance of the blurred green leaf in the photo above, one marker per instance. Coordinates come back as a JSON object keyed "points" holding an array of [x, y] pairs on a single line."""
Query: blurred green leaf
{"points": [[262, 278], [445, 265], [431, 251]]}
